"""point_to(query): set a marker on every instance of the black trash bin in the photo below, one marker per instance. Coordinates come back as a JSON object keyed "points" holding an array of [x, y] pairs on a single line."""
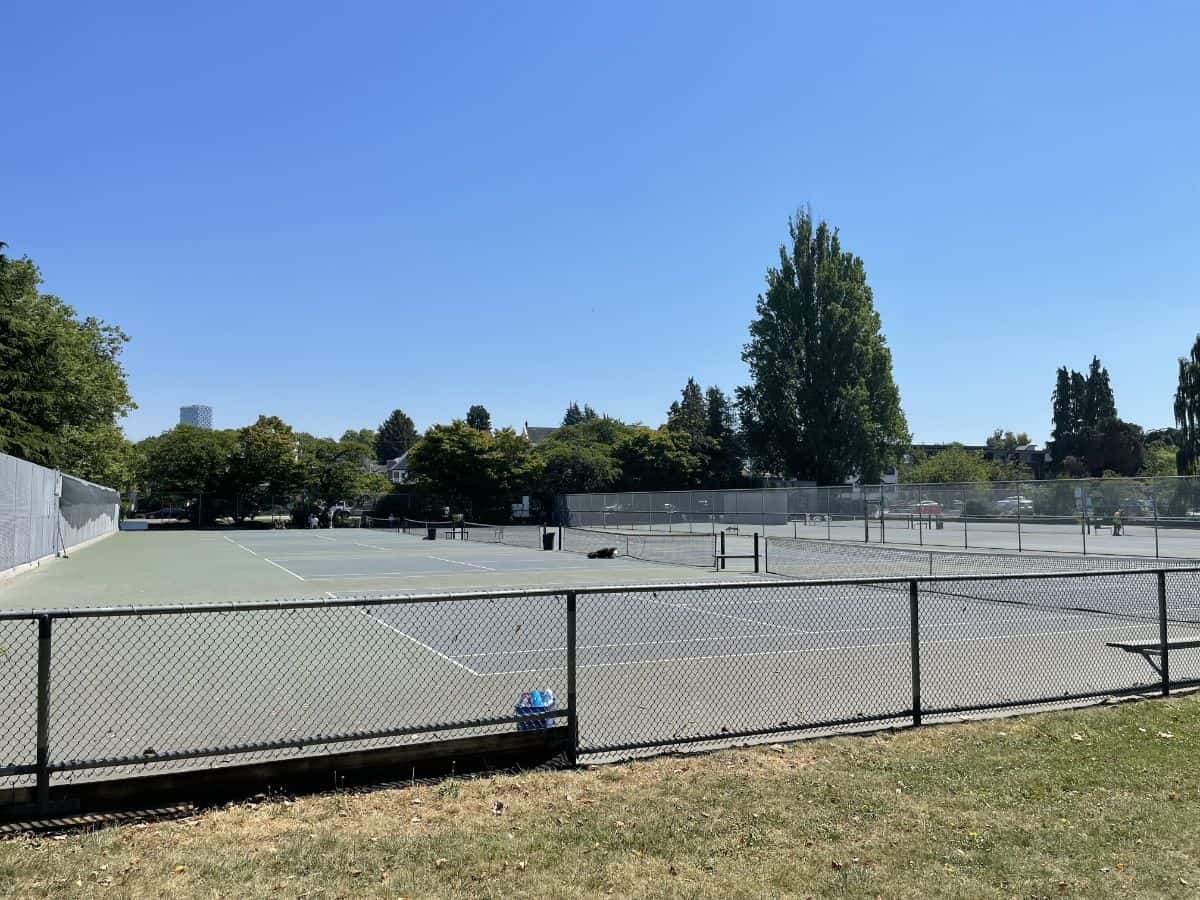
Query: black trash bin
{"points": [[431, 532], [547, 540], [941, 523]]}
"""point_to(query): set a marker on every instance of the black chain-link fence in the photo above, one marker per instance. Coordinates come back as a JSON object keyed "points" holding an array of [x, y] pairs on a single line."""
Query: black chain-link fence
{"points": [[100, 693]]}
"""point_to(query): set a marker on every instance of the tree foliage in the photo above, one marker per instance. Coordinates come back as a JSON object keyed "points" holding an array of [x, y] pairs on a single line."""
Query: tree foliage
{"points": [[955, 463], [1081, 405], [479, 418], [477, 472], [822, 404], [396, 435], [1006, 440], [576, 416], [62, 388], [1187, 412]]}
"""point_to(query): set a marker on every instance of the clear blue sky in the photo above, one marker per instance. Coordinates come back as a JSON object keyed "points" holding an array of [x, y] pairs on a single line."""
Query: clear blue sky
{"points": [[326, 211]]}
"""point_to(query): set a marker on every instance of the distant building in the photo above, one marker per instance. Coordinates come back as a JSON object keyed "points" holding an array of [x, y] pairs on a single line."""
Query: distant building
{"points": [[535, 434], [397, 469], [197, 414]]}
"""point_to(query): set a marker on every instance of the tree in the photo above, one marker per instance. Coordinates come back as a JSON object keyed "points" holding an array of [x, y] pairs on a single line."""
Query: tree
{"points": [[575, 416], [367, 436], [1116, 446], [1006, 440], [396, 435], [727, 452], [955, 463], [475, 471], [62, 388], [187, 461], [1187, 412], [479, 418], [1098, 403], [690, 413], [657, 459], [822, 404], [1063, 416], [332, 471], [264, 463]]}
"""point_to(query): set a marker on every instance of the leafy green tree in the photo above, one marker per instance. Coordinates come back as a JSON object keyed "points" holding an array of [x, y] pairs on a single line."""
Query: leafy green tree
{"points": [[822, 404], [479, 418], [657, 459], [477, 472], [264, 462], [955, 463], [367, 436], [1115, 446], [1187, 412], [187, 461], [1098, 402], [566, 467], [1006, 440], [1159, 461], [62, 388], [1064, 418], [101, 454], [396, 435], [332, 471]]}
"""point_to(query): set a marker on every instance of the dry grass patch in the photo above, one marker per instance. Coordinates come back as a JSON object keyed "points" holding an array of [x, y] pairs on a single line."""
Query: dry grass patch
{"points": [[1097, 803]]}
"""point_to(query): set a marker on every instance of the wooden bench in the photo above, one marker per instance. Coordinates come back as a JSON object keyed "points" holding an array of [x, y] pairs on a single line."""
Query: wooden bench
{"points": [[1153, 648]]}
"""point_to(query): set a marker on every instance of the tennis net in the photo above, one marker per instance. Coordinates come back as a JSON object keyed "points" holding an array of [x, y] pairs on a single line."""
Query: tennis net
{"points": [[679, 548], [529, 536], [377, 523], [420, 527], [1104, 595]]}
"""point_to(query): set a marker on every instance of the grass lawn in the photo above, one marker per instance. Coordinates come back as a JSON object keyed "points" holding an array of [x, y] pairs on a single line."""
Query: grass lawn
{"points": [[1098, 803]]}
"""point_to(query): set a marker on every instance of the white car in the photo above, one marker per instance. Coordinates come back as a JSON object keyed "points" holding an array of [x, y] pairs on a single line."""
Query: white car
{"points": [[1010, 505]]}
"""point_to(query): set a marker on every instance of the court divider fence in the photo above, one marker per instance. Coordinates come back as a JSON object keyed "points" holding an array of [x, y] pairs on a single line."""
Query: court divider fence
{"points": [[1158, 517], [118, 693]]}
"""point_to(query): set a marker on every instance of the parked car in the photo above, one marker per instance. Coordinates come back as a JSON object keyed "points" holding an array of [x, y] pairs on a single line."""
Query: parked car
{"points": [[1010, 505]]}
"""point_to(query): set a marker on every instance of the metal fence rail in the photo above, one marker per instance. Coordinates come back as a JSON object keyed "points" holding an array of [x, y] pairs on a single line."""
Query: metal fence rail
{"points": [[96, 693], [1155, 517]]}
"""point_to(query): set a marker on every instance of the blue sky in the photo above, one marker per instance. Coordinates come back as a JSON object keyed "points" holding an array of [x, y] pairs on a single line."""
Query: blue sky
{"points": [[328, 211]]}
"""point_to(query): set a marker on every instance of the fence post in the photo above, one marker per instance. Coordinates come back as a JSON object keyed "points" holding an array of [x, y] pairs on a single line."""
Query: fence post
{"points": [[572, 695], [1154, 504], [722, 550], [963, 491], [43, 714], [756, 552], [882, 517], [914, 641], [1164, 663], [1020, 497]]}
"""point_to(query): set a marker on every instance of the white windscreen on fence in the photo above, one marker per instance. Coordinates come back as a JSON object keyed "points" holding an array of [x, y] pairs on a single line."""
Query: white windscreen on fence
{"points": [[43, 512]]}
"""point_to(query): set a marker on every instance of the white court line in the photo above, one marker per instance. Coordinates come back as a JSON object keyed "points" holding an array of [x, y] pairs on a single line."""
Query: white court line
{"points": [[421, 644], [441, 574], [236, 544], [458, 562], [284, 568], [679, 659], [372, 547]]}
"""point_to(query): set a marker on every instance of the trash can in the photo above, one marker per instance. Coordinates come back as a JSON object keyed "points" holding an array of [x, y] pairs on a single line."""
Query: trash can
{"points": [[547, 540], [531, 703], [431, 532], [941, 523]]}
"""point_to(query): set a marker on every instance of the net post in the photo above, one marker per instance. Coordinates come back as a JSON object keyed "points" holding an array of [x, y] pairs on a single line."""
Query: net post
{"points": [[882, 517], [560, 537], [43, 713], [866, 519], [572, 696], [914, 642], [756, 553], [1163, 646], [963, 497], [722, 550]]}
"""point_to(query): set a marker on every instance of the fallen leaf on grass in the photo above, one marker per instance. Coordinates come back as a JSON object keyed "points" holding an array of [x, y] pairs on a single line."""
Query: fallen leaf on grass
{"points": [[439, 862], [1165, 734], [179, 870]]}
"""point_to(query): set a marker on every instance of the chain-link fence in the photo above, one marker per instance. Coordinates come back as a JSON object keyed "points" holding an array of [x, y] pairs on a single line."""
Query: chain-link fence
{"points": [[44, 512], [1147, 517], [100, 693]]}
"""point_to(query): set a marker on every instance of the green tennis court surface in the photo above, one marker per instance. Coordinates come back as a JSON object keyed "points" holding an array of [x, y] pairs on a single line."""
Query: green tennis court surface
{"points": [[154, 568]]}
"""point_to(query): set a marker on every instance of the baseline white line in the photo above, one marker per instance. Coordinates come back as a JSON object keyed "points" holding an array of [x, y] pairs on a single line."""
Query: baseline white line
{"points": [[284, 568], [421, 644], [679, 659], [458, 562], [372, 547]]}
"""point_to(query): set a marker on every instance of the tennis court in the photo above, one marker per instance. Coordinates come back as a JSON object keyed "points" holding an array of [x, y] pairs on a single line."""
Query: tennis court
{"points": [[394, 639]]}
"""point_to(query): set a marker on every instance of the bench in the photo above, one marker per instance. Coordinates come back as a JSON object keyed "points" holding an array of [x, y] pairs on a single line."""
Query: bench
{"points": [[1154, 648]]}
